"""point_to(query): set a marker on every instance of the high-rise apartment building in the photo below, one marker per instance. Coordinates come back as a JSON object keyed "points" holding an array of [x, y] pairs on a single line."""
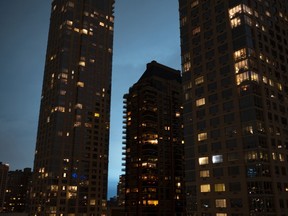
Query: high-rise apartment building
{"points": [[154, 178], [4, 168], [235, 75], [18, 191], [71, 156]]}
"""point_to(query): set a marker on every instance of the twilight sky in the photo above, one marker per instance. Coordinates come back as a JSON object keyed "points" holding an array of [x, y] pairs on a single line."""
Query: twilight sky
{"points": [[144, 31]]}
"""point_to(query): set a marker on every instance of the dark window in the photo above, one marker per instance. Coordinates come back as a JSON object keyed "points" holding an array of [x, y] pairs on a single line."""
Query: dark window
{"points": [[215, 134], [236, 203], [212, 86], [225, 70], [234, 186], [231, 143], [213, 98], [199, 91], [213, 109], [233, 170], [216, 146], [202, 149], [228, 106], [229, 118], [218, 172], [201, 125]]}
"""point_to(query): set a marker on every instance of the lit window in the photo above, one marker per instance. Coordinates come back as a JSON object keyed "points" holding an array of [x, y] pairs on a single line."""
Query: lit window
{"points": [[204, 173], [69, 22], [194, 3], [279, 86], [235, 11], [203, 160], [248, 129], [102, 24], [221, 214], [97, 115], [60, 109], [186, 66], [205, 188], [199, 80], [249, 75], [54, 188], [77, 124], [217, 159], [281, 157], [240, 54], [241, 66], [220, 203], [196, 30], [84, 31], [82, 63], [202, 136], [200, 102], [152, 202], [219, 187], [62, 92], [183, 21], [80, 84], [235, 22], [78, 106]]}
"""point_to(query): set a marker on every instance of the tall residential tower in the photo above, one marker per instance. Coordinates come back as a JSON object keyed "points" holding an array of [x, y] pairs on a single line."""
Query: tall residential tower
{"points": [[154, 177], [235, 80], [71, 156]]}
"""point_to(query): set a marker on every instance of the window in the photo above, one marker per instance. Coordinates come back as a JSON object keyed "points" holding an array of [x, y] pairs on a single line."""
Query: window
{"points": [[218, 172], [233, 170], [204, 173], [204, 188], [241, 66], [202, 136], [221, 214], [199, 80], [217, 159], [236, 203], [234, 186], [219, 187], [233, 156], [196, 30], [200, 102], [203, 160], [220, 203], [80, 84], [186, 66], [194, 3]]}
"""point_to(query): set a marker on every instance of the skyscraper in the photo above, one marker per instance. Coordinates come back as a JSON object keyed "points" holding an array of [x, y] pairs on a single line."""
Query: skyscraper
{"points": [[154, 178], [18, 191], [71, 156], [235, 75], [4, 168]]}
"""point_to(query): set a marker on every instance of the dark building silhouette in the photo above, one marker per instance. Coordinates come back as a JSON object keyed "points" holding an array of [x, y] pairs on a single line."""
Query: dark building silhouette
{"points": [[234, 69], [153, 144], [121, 190], [71, 156], [4, 168], [18, 191]]}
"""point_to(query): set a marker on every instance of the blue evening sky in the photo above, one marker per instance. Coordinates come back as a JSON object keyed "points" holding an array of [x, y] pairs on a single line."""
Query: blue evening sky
{"points": [[144, 30]]}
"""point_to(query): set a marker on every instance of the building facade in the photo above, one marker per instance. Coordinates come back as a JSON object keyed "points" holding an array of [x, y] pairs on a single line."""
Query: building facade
{"points": [[71, 156], [18, 191], [235, 74], [154, 168], [4, 168]]}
